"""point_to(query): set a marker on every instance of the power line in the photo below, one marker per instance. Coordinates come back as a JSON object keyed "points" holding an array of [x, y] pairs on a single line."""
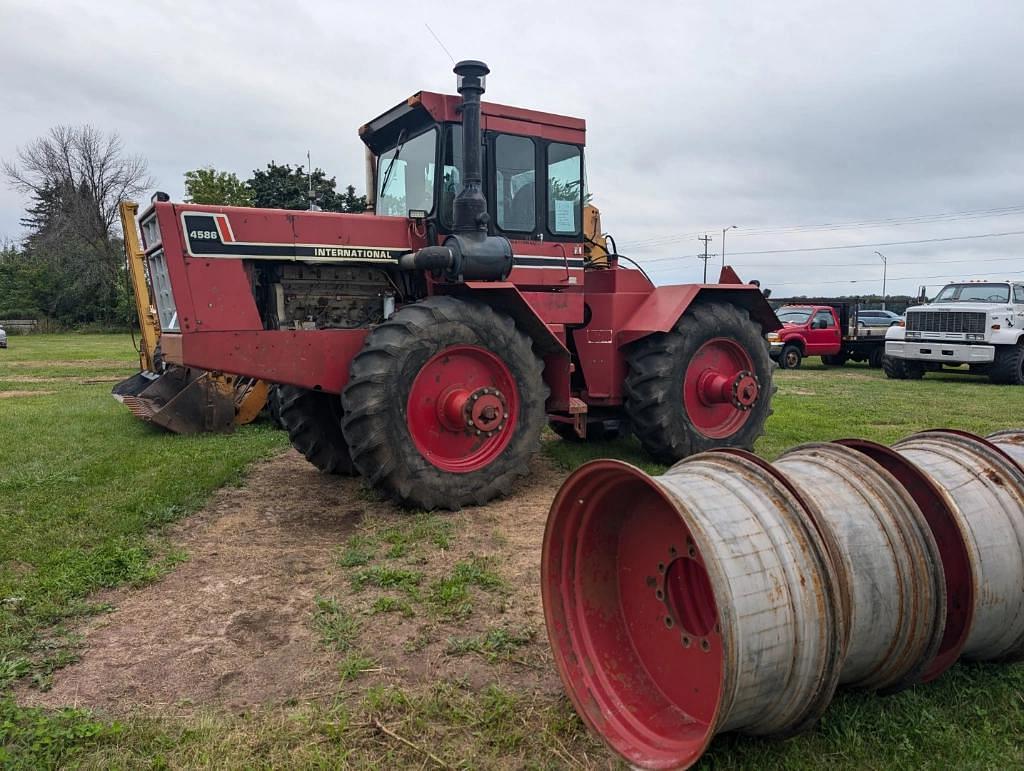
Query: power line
{"points": [[859, 246], [853, 225], [943, 276]]}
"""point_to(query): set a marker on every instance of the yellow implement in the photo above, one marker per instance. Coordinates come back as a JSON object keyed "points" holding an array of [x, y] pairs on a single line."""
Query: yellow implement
{"points": [[181, 399]]}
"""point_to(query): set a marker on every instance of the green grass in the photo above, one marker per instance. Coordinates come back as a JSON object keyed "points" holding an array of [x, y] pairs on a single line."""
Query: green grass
{"points": [[85, 491]]}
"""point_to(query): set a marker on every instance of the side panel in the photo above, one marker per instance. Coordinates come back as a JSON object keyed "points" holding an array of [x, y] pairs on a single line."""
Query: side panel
{"points": [[316, 359]]}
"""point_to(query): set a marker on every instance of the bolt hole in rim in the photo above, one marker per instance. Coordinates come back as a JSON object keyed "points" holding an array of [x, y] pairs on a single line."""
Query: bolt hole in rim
{"points": [[719, 388], [463, 408]]}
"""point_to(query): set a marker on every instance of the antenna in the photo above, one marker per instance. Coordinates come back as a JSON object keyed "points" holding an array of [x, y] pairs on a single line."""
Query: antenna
{"points": [[439, 42]]}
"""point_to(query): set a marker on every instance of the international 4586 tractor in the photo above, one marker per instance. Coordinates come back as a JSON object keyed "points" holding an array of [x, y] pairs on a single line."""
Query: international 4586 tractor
{"points": [[426, 344]]}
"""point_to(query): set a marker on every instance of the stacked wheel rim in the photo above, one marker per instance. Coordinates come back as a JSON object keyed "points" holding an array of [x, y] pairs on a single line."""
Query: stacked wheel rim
{"points": [[670, 624]]}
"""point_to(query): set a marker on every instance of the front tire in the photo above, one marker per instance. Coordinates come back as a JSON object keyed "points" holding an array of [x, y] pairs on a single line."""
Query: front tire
{"points": [[790, 357], [1008, 367], [313, 422], [445, 404], [705, 384], [902, 369]]}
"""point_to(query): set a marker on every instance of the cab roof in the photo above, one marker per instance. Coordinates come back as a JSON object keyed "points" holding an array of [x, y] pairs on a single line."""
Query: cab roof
{"points": [[426, 107]]}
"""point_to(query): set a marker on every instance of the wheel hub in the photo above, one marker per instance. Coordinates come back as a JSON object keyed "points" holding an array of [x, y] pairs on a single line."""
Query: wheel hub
{"points": [[463, 405], [720, 388]]}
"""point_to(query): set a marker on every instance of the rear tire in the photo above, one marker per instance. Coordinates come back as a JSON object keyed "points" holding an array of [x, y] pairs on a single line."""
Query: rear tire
{"points": [[1008, 367], [313, 422], [790, 357], [876, 358], [662, 370], [902, 369], [274, 404], [413, 397]]}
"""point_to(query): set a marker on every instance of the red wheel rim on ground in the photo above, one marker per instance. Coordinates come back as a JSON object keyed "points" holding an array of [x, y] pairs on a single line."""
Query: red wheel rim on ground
{"points": [[720, 388], [462, 408], [625, 585]]}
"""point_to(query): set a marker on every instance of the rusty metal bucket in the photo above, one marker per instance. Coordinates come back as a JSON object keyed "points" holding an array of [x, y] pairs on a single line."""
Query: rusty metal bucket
{"points": [[884, 553], [181, 400], [688, 604], [987, 487]]}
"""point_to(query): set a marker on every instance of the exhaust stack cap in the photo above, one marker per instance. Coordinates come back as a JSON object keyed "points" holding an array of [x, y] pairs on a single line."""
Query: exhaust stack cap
{"points": [[472, 74]]}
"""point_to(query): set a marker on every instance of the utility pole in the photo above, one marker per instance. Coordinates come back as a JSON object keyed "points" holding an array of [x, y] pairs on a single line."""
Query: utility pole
{"points": [[724, 231], [309, 175], [885, 267], [706, 239]]}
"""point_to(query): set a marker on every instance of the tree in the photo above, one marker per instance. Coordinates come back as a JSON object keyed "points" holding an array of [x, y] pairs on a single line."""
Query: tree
{"points": [[223, 188], [75, 178], [282, 187]]}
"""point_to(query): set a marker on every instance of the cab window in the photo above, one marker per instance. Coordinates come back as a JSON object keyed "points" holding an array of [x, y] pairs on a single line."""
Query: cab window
{"points": [[451, 173], [405, 176], [823, 316], [1018, 293], [565, 188], [515, 186]]}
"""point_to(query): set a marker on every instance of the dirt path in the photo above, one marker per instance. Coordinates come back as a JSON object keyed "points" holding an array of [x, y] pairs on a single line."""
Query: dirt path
{"points": [[232, 626]]}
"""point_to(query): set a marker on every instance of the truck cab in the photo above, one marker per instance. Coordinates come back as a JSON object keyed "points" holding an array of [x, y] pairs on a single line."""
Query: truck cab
{"points": [[807, 330], [977, 323]]}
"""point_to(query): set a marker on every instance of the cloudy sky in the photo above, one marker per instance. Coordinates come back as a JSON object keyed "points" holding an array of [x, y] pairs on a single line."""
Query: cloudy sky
{"points": [[806, 123]]}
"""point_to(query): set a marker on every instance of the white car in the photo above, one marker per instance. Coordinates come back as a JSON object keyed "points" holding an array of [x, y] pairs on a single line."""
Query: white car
{"points": [[3, 338]]}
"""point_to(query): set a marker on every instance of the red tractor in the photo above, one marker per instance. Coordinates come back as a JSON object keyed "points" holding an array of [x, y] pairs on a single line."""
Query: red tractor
{"points": [[426, 344]]}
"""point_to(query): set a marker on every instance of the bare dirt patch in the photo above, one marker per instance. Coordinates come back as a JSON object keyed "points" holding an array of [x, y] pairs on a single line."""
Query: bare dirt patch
{"points": [[18, 394], [234, 625]]}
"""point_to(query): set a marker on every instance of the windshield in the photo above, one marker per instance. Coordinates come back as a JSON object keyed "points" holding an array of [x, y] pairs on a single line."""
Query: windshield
{"points": [[405, 176], [794, 315], [974, 293]]}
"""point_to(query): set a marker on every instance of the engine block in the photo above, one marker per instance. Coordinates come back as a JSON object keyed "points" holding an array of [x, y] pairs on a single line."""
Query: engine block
{"points": [[330, 296]]}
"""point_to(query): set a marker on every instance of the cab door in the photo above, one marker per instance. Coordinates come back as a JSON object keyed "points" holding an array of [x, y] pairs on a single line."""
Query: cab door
{"points": [[823, 335]]}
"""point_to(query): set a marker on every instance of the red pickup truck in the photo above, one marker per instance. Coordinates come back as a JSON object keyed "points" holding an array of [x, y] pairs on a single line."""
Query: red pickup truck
{"points": [[829, 330]]}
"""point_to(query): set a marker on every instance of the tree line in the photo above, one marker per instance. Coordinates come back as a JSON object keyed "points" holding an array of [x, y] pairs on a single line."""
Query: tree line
{"points": [[70, 266]]}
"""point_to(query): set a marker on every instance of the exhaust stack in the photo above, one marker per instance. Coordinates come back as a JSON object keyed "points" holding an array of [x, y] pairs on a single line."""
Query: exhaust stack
{"points": [[470, 203]]}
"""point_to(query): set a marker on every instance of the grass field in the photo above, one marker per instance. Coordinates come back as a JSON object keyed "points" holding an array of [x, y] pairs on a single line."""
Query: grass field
{"points": [[86, 494]]}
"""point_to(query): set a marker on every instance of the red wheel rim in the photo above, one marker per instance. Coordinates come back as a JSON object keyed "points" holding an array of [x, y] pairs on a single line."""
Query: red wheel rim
{"points": [[720, 388], [632, 620], [463, 408]]}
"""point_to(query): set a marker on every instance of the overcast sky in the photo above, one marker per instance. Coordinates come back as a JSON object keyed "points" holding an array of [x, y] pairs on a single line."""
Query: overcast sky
{"points": [[700, 115]]}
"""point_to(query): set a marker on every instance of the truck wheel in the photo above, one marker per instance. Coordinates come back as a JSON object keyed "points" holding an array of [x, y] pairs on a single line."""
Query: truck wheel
{"points": [[1008, 367], [705, 384], [834, 361], [313, 422], [445, 404], [790, 357], [902, 369], [876, 357]]}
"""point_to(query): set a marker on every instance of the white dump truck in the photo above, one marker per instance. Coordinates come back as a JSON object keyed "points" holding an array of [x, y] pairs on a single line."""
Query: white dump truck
{"points": [[977, 323]]}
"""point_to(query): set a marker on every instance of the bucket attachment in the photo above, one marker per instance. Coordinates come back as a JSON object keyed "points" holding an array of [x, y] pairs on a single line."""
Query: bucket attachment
{"points": [[181, 400]]}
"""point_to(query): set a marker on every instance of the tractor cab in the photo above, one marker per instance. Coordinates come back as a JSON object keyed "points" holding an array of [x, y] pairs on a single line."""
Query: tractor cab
{"points": [[532, 167]]}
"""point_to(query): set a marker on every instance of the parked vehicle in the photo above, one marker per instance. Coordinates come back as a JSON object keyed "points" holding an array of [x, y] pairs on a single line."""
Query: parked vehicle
{"points": [[978, 323], [831, 330], [3, 338], [877, 318]]}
